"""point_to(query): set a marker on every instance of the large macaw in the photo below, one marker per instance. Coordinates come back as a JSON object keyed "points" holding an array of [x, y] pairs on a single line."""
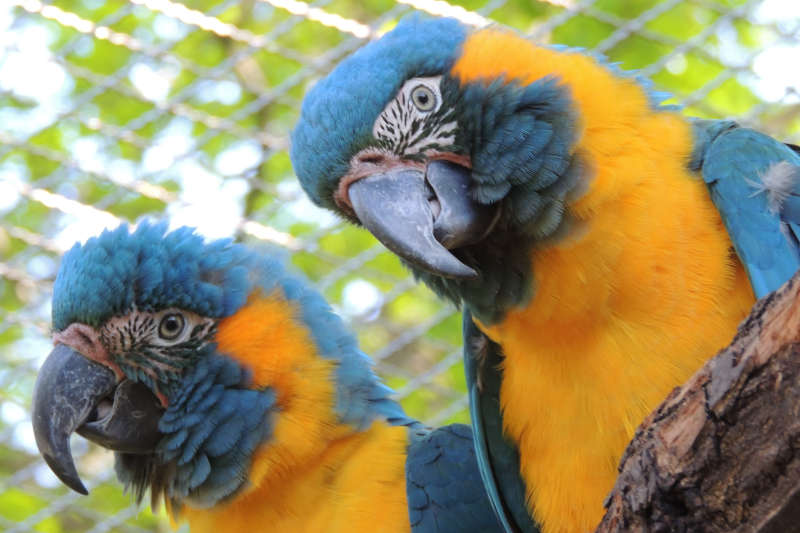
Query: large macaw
{"points": [[231, 390], [586, 230]]}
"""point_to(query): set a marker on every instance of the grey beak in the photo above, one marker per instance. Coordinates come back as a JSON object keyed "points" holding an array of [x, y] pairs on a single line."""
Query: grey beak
{"points": [[421, 215], [67, 396]]}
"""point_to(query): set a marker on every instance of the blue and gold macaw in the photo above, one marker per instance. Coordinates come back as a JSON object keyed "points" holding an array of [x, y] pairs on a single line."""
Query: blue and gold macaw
{"points": [[231, 390], [586, 230]]}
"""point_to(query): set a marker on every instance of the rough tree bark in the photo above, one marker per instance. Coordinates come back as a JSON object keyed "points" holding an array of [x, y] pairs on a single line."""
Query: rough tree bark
{"points": [[721, 452]]}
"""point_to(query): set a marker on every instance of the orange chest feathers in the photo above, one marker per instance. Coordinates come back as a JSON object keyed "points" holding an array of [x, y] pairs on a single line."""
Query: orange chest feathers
{"points": [[623, 310], [314, 473]]}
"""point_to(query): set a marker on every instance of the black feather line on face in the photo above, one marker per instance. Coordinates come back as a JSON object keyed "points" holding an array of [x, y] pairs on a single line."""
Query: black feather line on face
{"points": [[131, 344], [134, 345], [402, 128], [129, 341]]}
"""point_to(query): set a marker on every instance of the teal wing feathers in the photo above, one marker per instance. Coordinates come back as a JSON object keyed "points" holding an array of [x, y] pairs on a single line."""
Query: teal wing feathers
{"points": [[498, 458], [754, 182], [444, 488]]}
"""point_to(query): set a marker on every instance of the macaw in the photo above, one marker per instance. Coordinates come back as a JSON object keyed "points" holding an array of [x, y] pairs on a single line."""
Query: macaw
{"points": [[230, 389], [585, 229]]}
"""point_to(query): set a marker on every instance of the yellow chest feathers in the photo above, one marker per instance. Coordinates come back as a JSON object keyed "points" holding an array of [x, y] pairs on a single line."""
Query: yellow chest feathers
{"points": [[623, 311], [314, 473], [357, 485]]}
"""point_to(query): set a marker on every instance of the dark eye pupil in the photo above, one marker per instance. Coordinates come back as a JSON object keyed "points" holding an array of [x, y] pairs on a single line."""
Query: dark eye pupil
{"points": [[423, 98], [170, 326]]}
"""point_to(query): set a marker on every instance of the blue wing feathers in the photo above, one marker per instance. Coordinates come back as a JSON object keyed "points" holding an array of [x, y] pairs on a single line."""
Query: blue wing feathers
{"points": [[444, 488], [736, 164], [497, 457]]}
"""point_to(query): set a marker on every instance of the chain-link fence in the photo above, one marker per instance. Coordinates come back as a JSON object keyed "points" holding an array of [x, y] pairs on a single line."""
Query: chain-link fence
{"points": [[111, 110]]}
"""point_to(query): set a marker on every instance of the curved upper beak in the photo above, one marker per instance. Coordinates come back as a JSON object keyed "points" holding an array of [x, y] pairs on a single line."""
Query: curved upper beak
{"points": [[422, 215], [73, 393]]}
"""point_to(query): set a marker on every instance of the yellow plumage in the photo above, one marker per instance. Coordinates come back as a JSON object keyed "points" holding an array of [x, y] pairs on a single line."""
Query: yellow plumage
{"points": [[628, 307], [315, 474]]}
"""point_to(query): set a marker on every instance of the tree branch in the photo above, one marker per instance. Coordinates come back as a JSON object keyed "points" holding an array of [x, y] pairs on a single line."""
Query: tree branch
{"points": [[721, 452]]}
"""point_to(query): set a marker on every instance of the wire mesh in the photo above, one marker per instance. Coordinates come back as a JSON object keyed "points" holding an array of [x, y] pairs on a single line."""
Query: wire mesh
{"points": [[112, 110]]}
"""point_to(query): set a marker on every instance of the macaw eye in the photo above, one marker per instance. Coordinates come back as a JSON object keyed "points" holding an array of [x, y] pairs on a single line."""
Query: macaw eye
{"points": [[423, 98], [171, 326]]}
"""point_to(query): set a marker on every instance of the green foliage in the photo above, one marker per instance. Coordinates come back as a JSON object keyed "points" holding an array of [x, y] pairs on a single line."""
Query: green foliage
{"points": [[523, 14], [582, 30], [347, 242], [17, 505]]}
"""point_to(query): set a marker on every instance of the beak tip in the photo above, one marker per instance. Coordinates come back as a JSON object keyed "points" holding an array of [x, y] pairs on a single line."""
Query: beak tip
{"points": [[65, 471], [66, 390], [472, 275], [394, 207], [459, 272], [78, 487]]}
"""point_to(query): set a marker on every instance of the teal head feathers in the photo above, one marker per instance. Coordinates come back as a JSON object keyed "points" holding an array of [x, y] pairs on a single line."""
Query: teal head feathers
{"points": [[136, 315]]}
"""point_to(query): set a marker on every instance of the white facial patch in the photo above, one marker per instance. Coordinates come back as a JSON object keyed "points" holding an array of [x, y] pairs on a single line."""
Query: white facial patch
{"points": [[411, 123], [142, 332]]}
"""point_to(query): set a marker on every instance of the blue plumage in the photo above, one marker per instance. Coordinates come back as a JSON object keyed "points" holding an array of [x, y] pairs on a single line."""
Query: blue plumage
{"points": [[497, 456], [211, 428], [214, 419], [153, 269], [360, 395], [150, 269], [325, 137], [759, 214], [519, 139], [445, 492]]}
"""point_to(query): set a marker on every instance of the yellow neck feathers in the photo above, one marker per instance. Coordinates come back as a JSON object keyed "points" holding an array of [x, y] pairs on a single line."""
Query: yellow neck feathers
{"points": [[627, 308]]}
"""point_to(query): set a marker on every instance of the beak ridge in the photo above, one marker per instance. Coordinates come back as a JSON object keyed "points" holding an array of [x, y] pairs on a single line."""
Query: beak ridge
{"points": [[461, 221], [67, 389], [398, 206], [73, 393]]}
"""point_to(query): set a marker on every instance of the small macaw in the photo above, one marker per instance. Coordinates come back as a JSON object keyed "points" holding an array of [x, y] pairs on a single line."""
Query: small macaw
{"points": [[230, 389], [586, 230]]}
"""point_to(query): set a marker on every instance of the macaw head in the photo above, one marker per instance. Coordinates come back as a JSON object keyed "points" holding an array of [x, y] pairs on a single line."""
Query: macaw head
{"points": [[182, 356], [418, 137]]}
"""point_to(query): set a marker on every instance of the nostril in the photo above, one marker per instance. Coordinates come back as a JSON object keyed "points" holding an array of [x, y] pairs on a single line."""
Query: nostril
{"points": [[372, 159], [81, 337], [84, 338]]}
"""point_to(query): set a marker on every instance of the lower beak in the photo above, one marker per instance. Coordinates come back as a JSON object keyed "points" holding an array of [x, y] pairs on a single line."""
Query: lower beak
{"points": [[73, 393], [422, 215]]}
